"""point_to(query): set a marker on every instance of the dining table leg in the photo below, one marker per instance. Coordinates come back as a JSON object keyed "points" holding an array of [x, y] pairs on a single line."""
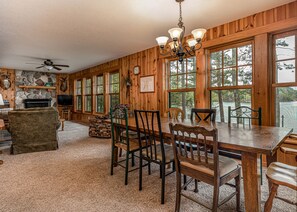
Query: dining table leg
{"points": [[251, 181]]}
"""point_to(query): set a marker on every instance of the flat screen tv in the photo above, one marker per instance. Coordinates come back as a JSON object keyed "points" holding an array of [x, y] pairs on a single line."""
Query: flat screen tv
{"points": [[65, 100]]}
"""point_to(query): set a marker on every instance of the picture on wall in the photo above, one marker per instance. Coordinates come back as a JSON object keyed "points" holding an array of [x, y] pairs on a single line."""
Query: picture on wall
{"points": [[147, 84]]}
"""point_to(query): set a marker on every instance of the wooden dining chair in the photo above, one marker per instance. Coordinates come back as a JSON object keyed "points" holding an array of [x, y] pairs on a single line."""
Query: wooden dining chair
{"points": [[209, 114], [153, 148], [122, 139], [201, 165], [176, 113], [243, 115], [280, 174]]}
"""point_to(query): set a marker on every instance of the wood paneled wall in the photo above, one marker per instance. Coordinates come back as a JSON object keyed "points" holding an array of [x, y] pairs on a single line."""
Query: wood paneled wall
{"points": [[257, 27], [8, 94]]}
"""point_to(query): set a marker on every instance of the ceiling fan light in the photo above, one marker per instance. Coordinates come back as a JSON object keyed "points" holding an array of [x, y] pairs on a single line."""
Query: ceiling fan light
{"points": [[198, 33], [175, 33], [162, 40], [49, 67], [191, 42]]}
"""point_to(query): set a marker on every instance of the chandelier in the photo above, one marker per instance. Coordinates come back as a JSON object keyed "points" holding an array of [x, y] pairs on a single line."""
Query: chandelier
{"points": [[177, 48]]}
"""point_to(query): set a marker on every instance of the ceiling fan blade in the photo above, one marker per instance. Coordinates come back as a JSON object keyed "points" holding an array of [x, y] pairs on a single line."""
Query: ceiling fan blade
{"points": [[62, 65], [40, 66], [33, 63], [57, 68]]}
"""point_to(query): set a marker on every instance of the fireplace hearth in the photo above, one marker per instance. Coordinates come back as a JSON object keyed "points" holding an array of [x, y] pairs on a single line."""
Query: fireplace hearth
{"points": [[29, 103]]}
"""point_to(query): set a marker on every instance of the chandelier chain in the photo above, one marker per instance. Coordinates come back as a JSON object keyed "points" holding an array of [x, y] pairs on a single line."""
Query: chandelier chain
{"points": [[180, 21]]}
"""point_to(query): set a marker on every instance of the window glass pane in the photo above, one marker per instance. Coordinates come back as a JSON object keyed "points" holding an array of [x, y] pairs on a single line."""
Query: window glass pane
{"points": [[191, 66], [230, 57], [229, 77], [115, 88], [285, 71], [115, 78], [100, 89], [221, 99], [285, 48], [286, 107], [114, 100], [182, 100], [245, 75], [245, 55], [216, 60], [99, 80], [100, 103], [78, 102], [78, 87], [191, 79], [182, 75], [216, 78], [88, 103], [173, 67], [173, 82], [182, 81]]}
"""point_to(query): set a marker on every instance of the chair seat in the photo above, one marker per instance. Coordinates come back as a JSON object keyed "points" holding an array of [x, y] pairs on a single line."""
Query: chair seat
{"points": [[132, 134], [134, 145], [226, 165], [283, 174], [167, 149]]}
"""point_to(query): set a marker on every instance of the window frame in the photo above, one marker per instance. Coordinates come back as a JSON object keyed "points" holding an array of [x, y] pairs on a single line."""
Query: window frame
{"points": [[110, 94], [87, 95], [275, 84], [101, 94], [230, 88], [180, 90], [78, 95]]}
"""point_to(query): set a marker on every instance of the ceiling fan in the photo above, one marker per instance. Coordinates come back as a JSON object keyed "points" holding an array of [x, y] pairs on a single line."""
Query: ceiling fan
{"points": [[49, 65]]}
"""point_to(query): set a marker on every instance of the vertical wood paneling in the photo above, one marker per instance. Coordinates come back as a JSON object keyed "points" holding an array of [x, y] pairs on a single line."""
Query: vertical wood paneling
{"points": [[151, 63]]}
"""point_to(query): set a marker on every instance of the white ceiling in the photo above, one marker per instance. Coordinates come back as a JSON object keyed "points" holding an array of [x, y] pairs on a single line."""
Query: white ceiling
{"points": [[85, 33]]}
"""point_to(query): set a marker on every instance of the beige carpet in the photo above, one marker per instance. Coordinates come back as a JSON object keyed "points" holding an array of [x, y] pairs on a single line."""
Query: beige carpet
{"points": [[76, 178]]}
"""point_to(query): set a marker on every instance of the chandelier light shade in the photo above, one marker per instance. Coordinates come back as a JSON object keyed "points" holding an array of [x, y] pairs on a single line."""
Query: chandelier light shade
{"points": [[177, 47]]}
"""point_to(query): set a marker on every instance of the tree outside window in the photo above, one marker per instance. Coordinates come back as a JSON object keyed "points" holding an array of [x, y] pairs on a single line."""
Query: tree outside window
{"points": [[100, 94], [231, 78], [88, 95], [114, 89], [182, 84], [78, 92]]}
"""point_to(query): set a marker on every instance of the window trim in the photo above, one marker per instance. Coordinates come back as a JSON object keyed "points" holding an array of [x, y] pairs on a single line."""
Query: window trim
{"points": [[274, 84], [76, 95], [96, 94], [87, 95], [225, 47]]}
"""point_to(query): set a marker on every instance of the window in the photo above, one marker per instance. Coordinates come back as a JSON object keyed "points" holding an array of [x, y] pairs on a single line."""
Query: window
{"points": [[88, 95], [285, 80], [230, 78], [100, 94], [114, 89], [78, 93], [182, 84]]}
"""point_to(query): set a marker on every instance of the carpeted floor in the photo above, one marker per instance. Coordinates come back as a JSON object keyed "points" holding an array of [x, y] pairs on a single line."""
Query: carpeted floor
{"points": [[76, 178]]}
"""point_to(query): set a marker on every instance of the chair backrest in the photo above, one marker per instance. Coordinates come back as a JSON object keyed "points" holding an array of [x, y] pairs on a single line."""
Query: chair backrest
{"points": [[243, 113], [119, 125], [149, 131], [193, 144], [175, 113], [209, 114]]}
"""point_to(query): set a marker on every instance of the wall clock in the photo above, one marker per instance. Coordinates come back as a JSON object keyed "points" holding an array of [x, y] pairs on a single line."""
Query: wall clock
{"points": [[136, 70]]}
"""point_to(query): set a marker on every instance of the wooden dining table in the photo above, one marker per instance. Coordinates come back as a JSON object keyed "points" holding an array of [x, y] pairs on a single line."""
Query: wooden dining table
{"points": [[251, 141]]}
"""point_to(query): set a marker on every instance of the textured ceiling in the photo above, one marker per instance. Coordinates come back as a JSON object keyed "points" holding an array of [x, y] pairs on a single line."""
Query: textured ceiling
{"points": [[84, 33]]}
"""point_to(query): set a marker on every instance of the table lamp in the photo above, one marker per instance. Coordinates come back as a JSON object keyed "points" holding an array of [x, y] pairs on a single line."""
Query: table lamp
{"points": [[1, 100]]}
